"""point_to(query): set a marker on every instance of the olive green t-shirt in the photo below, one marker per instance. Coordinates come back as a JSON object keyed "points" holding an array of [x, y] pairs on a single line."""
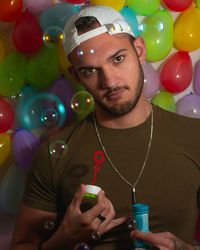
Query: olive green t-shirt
{"points": [[170, 182]]}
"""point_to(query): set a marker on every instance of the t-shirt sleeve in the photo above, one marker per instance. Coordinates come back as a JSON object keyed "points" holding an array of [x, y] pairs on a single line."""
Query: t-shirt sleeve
{"points": [[40, 191]]}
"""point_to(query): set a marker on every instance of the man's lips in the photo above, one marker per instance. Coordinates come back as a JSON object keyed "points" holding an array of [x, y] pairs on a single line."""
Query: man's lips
{"points": [[115, 93]]}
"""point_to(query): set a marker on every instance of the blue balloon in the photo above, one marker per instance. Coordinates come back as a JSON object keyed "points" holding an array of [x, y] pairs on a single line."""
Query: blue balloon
{"points": [[57, 15], [131, 19]]}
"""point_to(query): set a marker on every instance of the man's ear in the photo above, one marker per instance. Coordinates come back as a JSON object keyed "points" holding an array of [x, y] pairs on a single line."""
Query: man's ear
{"points": [[140, 48], [73, 73]]}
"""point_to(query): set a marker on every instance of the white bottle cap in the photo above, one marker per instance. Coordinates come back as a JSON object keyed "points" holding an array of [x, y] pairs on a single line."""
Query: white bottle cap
{"points": [[92, 189]]}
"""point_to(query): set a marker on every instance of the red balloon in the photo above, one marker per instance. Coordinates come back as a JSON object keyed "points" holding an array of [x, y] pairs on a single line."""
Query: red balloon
{"points": [[6, 116], [177, 5], [76, 1], [176, 73], [27, 34], [10, 10]]}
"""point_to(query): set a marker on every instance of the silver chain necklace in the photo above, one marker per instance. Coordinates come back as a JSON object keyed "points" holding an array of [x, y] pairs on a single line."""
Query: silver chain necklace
{"points": [[133, 186]]}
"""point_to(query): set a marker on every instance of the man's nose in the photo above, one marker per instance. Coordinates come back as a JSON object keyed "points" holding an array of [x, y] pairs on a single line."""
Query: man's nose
{"points": [[108, 77]]}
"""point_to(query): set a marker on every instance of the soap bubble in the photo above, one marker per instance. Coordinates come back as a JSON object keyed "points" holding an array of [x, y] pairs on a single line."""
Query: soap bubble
{"points": [[82, 103], [49, 117], [52, 36], [58, 149], [82, 246]]}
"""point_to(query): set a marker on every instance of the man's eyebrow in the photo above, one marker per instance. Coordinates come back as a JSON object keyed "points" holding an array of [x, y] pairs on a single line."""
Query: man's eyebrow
{"points": [[109, 59]]}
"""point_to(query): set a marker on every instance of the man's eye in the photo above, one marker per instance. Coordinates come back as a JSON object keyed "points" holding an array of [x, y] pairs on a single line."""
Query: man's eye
{"points": [[88, 71], [118, 58]]}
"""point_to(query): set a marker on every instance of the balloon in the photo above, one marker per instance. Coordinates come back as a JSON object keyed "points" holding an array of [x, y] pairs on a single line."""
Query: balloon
{"points": [[144, 7], [57, 15], [177, 5], [118, 5], [176, 73], [197, 78], [42, 68], [76, 1], [11, 189], [5, 147], [189, 105], [25, 145], [186, 30], [27, 34], [6, 116], [12, 74], [53, 36], [157, 31], [151, 80], [10, 10], [198, 3], [131, 19], [164, 100], [2, 50], [37, 6]]}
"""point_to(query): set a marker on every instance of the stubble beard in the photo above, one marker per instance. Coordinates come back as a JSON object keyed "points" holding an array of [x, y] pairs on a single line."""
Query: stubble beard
{"points": [[128, 106]]}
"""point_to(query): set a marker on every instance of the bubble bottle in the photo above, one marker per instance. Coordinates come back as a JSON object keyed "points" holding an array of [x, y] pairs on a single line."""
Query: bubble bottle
{"points": [[141, 218], [90, 197]]}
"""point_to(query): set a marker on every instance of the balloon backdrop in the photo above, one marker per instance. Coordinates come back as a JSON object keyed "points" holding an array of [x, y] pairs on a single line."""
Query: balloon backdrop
{"points": [[180, 67], [27, 34], [10, 10], [2, 50], [197, 78], [186, 30], [118, 5], [6, 116], [164, 100], [177, 5], [12, 74], [189, 105], [157, 31], [144, 7], [5, 148], [37, 6]]}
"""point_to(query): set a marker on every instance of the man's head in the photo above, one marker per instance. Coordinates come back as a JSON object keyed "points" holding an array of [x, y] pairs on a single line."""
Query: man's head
{"points": [[106, 58]]}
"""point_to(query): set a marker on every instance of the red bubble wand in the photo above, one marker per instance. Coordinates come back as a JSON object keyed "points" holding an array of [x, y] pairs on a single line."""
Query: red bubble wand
{"points": [[99, 158]]}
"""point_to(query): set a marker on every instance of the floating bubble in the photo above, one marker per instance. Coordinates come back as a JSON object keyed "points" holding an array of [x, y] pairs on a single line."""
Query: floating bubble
{"points": [[58, 149], [43, 111], [50, 117], [82, 103], [82, 246], [52, 36]]}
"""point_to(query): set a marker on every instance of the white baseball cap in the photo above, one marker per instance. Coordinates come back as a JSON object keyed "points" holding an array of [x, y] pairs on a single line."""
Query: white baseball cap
{"points": [[111, 21]]}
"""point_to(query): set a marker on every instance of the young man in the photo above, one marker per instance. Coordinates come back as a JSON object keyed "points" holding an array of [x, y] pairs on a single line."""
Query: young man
{"points": [[134, 145]]}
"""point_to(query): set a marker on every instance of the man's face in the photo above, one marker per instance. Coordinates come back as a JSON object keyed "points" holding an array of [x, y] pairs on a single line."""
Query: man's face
{"points": [[109, 68]]}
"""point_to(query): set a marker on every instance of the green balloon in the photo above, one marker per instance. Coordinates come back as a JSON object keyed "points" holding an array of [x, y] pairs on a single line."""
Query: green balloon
{"points": [[144, 7], [164, 100], [12, 74], [198, 3], [42, 68], [157, 31]]}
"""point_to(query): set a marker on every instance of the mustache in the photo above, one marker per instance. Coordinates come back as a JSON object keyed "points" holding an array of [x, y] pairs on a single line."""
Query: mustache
{"points": [[110, 91]]}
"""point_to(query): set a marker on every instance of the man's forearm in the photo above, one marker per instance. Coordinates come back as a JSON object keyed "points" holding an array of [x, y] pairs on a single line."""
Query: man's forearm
{"points": [[24, 246]]}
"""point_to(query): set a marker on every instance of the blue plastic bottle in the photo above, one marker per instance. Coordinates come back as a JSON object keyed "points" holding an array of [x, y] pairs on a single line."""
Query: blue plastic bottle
{"points": [[141, 217]]}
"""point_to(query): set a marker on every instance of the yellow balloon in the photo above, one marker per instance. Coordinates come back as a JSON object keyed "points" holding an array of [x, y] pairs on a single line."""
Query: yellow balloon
{"points": [[187, 31], [5, 147], [65, 63], [116, 4]]}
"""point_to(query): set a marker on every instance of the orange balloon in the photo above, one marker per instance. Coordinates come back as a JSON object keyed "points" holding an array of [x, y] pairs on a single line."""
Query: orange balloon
{"points": [[187, 31]]}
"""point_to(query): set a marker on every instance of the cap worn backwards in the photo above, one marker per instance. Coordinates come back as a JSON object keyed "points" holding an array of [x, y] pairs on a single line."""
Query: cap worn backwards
{"points": [[110, 20]]}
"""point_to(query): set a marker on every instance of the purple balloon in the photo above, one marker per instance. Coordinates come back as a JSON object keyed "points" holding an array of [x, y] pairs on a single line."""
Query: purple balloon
{"points": [[63, 89], [151, 80], [25, 145], [197, 78], [189, 105]]}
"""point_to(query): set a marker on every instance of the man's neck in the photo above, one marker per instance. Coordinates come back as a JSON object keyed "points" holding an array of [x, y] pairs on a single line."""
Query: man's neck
{"points": [[135, 117]]}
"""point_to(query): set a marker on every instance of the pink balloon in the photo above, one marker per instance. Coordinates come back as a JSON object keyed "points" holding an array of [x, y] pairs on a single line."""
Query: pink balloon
{"points": [[151, 80], [37, 6], [189, 105], [197, 78]]}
